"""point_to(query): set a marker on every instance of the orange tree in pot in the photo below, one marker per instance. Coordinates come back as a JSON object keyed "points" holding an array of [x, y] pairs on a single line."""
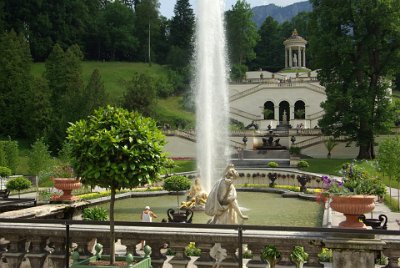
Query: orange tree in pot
{"points": [[116, 149]]}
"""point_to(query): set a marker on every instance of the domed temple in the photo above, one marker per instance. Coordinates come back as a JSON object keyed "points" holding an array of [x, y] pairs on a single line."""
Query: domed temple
{"points": [[290, 97]]}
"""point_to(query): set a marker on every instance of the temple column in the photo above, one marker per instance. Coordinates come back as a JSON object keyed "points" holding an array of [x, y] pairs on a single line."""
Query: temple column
{"points": [[299, 62], [304, 57], [290, 57], [286, 58]]}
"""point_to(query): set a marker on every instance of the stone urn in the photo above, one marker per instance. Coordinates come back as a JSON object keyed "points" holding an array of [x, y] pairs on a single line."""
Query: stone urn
{"points": [[352, 206], [66, 185]]}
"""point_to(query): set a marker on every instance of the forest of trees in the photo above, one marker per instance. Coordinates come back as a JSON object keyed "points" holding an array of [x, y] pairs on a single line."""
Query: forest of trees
{"points": [[64, 33]]}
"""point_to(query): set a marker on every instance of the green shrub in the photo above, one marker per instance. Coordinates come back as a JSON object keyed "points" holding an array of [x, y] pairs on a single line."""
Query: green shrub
{"points": [[271, 254], [295, 150], [326, 255], [303, 164], [44, 195], [5, 172], [95, 214], [273, 164], [192, 250], [18, 184], [298, 255], [177, 183]]}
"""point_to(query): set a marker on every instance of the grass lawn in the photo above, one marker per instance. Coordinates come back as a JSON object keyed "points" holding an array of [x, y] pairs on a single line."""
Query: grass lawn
{"points": [[326, 166], [184, 166], [171, 108], [112, 73]]}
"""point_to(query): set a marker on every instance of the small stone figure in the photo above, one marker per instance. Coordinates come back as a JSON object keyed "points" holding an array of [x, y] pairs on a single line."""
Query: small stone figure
{"points": [[277, 142], [270, 140], [196, 198], [252, 124], [222, 204]]}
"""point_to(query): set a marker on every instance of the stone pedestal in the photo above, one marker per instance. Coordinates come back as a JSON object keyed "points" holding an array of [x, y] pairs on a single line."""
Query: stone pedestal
{"points": [[36, 259], [350, 253], [14, 260]]}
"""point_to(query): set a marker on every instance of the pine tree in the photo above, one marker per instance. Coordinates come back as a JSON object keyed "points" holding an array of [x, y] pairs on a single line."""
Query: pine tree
{"points": [[94, 95], [15, 82]]}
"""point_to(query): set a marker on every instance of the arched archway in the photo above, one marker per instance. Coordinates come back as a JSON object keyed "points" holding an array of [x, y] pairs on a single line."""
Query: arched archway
{"points": [[269, 110], [284, 113], [299, 110]]}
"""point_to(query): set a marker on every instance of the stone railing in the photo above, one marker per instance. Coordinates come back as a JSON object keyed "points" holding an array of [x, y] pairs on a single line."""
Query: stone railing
{"points": [[42, 242]]}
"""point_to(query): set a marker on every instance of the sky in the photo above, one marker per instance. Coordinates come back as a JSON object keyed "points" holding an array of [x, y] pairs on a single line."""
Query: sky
{"points": [[167, 6]]}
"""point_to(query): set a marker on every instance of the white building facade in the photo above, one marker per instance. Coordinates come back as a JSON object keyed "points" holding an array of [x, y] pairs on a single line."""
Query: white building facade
{"points": [[290, 97]]}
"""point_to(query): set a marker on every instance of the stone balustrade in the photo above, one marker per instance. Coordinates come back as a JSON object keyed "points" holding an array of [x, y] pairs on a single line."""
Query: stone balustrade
{"points": [[44, 241]]}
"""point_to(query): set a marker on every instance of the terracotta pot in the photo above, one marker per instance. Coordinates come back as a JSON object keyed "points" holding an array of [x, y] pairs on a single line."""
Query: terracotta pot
{"points": [[352, 206], [66, 185]]}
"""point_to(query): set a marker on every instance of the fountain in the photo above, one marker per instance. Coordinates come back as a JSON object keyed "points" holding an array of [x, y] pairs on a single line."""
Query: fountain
{"points": [[211, 90]]}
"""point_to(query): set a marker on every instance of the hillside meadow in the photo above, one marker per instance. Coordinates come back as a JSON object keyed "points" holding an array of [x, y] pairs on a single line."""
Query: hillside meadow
{"points": [[112, 73]]}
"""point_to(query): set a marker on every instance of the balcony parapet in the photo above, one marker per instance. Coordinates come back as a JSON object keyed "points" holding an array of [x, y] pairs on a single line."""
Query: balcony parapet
{"points": [[43, 241]]}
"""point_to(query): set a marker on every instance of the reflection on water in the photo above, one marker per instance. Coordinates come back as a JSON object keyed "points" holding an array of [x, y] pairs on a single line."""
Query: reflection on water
{"points": [[262, 209]]}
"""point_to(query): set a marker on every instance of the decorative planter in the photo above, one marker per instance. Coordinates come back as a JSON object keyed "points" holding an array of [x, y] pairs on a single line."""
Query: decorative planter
{"points": [[352, 206], [66, 185], [95, 261], [180, 216]]}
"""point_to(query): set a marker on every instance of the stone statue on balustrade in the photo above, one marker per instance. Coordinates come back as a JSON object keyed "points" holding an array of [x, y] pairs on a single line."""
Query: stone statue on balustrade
{"points": [[222, 202]]}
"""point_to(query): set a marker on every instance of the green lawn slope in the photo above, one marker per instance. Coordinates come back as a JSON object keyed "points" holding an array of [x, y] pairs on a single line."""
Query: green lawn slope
{"points": [[112, 73]]}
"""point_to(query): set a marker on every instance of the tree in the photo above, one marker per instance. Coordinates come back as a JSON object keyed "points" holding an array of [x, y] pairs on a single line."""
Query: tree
{"points": [[389, 158], [116, 149], [356, 44], [269, 49], [18, 184], [147, 29], [330, 143], [39, 110], [15, 82], [176, 184], [182, 28], [242, 33], [94, 94], [39, 157], [141, 94], [63, 73], [116, 32]]}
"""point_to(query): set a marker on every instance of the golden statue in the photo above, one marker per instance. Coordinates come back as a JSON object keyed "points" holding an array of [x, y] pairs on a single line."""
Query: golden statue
{"points": [[196, 198]]}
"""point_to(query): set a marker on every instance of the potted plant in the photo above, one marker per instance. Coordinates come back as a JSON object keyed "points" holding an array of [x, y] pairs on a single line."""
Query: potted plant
{"points": [[115, 149], [325, 255], [176, 184], [272, 177], [353, 195], [271, 255], [64, 179], [298, 256], [102, 261]]}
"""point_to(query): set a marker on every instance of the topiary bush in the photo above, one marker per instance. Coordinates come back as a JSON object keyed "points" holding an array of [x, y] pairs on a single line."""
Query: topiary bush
{"points": [[273, 164], [5, 172], [177, 183], [18, 184], [303, 164]]}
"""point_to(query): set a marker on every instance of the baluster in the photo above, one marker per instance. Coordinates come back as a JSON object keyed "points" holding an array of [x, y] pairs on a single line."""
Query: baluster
{"points": [[205, 259], [231, 260], [37, 254], [256, 261], [157, 259], [180, 260], [16, 251], [393, 255], [58, 256], [313, 248]]}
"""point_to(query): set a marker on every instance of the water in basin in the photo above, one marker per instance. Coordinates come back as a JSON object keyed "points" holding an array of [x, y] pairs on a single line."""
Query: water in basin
{"points": [[262, 208]]}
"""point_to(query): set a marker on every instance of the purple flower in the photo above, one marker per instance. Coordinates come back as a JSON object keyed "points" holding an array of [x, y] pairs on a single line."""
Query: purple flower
{"points": [[326, 181], [340, 183]]}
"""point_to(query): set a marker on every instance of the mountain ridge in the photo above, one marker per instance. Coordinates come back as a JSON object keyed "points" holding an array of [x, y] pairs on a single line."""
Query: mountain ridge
{"points": [[280, 14]]}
